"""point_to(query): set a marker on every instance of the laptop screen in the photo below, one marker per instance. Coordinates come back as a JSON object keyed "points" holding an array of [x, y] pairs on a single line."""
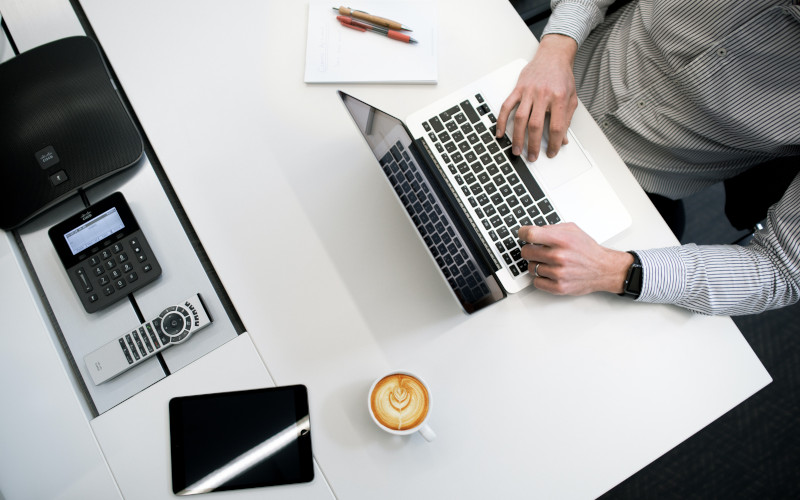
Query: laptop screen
{"points": [[419, 192]]}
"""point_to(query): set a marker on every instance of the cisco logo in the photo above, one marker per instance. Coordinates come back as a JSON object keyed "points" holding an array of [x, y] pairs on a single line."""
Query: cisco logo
{"points": [[46, 157]]}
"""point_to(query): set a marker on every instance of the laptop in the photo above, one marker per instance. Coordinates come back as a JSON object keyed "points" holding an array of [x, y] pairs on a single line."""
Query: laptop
{"points": [[467, 195]]}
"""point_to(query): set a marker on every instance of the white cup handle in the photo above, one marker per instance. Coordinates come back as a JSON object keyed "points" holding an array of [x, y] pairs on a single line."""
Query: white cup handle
{"points": [[427, 433]]}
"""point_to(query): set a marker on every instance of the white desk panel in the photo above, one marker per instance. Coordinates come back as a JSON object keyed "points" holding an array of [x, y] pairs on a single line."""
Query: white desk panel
{"points": [[82, 331], [34, 23], [135, 435], [335, 287], [48, 449], [182, 274], [6, 52]]}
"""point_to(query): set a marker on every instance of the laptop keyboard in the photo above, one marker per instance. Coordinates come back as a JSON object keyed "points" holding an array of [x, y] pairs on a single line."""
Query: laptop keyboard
{"points": [[496, 184], [434, 225]]}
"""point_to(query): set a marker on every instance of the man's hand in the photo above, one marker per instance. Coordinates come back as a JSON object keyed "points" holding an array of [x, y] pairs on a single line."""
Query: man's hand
{"points": [[569, 262], [545, 85]]}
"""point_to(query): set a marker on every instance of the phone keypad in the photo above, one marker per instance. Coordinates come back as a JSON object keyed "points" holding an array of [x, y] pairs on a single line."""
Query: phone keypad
{"points": [[114, 270]]}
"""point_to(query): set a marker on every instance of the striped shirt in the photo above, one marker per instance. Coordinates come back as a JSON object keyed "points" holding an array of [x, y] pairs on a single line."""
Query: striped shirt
{"points": [[691, 93]]}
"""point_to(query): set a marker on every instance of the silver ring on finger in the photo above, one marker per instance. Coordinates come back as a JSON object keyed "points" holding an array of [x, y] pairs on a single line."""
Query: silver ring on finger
{"points": [[536, 270]]}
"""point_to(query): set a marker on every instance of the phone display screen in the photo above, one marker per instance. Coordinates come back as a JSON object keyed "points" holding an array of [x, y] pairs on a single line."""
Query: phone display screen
{"points": [[94, 231]]}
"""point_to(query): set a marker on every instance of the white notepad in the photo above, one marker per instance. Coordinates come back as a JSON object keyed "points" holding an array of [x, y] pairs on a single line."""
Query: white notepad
{"points": [[338, 54]]}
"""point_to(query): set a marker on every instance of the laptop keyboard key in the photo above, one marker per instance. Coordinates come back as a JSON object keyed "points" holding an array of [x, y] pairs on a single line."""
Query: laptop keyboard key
{"points": [[446, 115], [545, 206], [470, 111]]}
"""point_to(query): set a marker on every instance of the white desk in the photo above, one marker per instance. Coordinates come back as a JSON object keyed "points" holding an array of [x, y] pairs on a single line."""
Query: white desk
{"points": [[537, 396]]}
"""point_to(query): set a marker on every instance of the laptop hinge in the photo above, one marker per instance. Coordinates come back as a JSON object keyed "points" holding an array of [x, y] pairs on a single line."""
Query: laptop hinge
{"points": [[462, 216]]}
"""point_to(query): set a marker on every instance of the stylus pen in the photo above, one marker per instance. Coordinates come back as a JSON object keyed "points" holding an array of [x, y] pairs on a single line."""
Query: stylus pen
{"points": [[376, 20], [394, 35]]}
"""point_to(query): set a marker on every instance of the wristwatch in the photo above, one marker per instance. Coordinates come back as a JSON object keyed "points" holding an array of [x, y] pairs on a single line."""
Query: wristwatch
{"points": [[633, 280]]}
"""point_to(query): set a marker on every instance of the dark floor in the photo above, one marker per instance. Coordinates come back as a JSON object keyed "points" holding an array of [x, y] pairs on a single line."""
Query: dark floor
{"points": [[753, 451]]}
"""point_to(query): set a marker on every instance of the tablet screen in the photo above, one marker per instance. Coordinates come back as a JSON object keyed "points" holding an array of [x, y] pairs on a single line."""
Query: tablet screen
{"points": [[243, 439]]}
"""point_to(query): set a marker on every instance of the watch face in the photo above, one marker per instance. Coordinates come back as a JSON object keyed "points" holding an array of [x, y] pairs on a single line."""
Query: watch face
{"points": [[633, 280], [633, 285]]}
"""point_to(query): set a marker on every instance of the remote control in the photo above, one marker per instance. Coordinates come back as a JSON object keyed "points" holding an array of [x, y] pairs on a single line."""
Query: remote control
{"points": [[174, 325]]}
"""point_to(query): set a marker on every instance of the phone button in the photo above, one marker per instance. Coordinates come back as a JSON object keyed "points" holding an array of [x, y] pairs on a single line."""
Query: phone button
{"points": [[59, 178]]}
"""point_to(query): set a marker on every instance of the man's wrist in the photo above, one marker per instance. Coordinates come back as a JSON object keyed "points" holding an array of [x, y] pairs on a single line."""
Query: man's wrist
{"points": [[620, 262], [564, 45]]}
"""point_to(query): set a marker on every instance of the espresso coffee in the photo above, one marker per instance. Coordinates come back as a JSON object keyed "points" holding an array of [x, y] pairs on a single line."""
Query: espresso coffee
{"points": [[399, 402]]}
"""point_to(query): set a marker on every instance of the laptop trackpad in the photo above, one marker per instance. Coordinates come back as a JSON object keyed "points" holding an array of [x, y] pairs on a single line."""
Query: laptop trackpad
{"points": [[569, 163]]}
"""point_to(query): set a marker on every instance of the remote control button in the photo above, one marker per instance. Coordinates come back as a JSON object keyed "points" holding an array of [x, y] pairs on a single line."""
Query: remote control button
{"points": [[152, 333], [160, 331], [173, 324], [132, 347], [188, 322], [139, 344], [125, 351], [144, 337]]}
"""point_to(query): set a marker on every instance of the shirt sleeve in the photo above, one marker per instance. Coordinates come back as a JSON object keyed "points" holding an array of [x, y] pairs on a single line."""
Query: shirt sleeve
{"points": [[575, 18], [732, 279]]}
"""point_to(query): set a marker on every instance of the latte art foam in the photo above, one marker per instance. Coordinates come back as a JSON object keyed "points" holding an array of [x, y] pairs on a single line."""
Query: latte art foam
{"points": [[399, 402]]}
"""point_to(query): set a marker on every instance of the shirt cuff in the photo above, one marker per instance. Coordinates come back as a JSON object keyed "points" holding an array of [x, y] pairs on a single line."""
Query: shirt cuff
{"points": [[574, 19], [663, 275]]}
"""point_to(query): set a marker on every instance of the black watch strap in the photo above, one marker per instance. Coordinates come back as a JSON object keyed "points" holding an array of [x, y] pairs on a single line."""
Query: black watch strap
{"points": [[633, 280]]}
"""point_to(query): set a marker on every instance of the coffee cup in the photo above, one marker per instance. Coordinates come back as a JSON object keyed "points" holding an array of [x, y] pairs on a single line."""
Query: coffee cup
{"points": [[400, 404]]}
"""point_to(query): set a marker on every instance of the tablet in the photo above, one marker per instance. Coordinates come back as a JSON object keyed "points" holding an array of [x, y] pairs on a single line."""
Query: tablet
{"points": [[243, 439]]}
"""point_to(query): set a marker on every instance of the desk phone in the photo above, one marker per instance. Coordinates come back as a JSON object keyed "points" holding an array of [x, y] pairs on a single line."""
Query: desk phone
{"points": [[104, 252]]}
